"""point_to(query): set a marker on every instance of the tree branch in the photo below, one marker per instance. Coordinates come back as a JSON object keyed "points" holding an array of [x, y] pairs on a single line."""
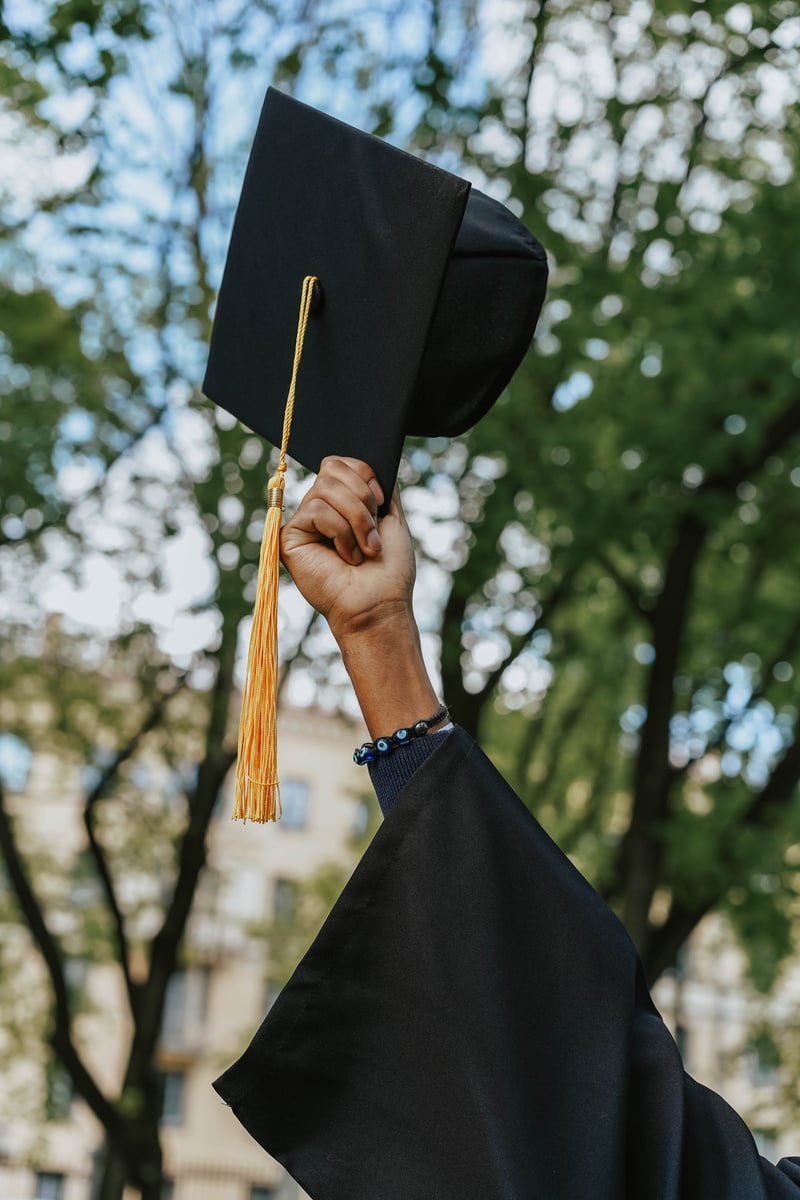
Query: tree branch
{"points": [[640, 852], [215, 765], [97, 793], [521, 642], [784, 427], [632, 594], [728, 70], [47, 946], [539, 25], [92, 493], [466, 707], [665, 942], [558, 741], [785, 654]]}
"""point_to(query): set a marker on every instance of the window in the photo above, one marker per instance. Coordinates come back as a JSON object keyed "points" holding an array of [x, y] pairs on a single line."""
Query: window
{"points": [[285, 898], [75, 973], [244, 896], [259, 1192], [167, 1189], [49, 1185], [294, 804], [172, 1084], [185, 1006], [765, 1142], [174, 1017], [763, 1060], [59, 1093], [84, 890], [361, 818]]}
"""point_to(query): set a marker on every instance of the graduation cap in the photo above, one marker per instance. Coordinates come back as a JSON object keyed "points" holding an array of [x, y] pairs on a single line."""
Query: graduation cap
{"points": [[418, 297]]}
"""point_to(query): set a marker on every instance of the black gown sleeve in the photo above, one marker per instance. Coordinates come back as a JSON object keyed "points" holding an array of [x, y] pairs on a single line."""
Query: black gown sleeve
{"points": [[471, 1023]]}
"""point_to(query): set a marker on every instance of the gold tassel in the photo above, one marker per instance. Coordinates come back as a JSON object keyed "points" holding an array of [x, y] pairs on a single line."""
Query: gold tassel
{"points": [[258, 793]]}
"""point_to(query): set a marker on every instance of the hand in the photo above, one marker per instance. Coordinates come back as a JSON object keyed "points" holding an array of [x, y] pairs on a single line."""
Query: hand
{"points": [[367, 575], [363, 585]]}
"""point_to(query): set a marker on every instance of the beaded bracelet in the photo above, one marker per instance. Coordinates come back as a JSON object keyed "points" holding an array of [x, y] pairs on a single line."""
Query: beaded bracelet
{"points": [[369, 751]]}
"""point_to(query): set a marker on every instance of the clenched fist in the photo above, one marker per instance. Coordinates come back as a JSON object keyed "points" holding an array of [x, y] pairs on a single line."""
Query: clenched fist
{"points": [[354, 569]]}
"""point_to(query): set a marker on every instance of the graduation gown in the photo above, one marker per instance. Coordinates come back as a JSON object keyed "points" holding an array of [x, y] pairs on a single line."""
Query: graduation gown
{"points": [[472, 1023]]}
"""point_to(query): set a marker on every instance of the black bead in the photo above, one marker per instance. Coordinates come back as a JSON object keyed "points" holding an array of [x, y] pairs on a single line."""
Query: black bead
{"points": [[420, 728]]}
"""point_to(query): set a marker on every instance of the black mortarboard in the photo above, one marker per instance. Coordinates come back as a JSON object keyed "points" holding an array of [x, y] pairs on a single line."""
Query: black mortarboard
{"points": [[427, 299], [430, 293]]}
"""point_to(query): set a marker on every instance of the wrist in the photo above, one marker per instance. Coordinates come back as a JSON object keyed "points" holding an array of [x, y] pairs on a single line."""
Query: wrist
{"points": [[387, 670], [381, 625], [402, 738]]}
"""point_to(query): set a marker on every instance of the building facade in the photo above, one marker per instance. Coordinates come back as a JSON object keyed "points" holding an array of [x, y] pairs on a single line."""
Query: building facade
{"points": [[216, 1002], [228, 981]]}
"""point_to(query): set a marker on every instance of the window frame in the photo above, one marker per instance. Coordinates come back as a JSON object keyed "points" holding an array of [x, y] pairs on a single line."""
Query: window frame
{"points": [[290, 807]]}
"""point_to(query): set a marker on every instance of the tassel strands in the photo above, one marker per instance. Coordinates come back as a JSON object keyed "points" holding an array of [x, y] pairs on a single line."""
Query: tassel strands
{"points": [[258, 796]]}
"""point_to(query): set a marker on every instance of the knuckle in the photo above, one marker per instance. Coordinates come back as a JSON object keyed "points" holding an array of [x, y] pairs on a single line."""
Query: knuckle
{"points": [[315, 506], [329, 462], [321, 485], [359, 466]]}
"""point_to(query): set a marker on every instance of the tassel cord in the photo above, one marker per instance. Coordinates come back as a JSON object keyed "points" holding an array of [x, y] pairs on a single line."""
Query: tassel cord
{"points": [[257, 786]]}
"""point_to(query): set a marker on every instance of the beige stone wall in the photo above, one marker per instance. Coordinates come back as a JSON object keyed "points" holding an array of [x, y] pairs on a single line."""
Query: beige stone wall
{"points": [[208, 1154], [713, 1010]]}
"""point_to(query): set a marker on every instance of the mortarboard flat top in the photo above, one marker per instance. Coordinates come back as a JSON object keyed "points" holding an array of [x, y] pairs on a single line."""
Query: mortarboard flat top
{"points": [[409, 336]]}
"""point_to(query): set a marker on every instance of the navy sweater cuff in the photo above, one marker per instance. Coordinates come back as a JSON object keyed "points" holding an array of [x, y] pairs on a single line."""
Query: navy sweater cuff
{"points": [[391, 773]]}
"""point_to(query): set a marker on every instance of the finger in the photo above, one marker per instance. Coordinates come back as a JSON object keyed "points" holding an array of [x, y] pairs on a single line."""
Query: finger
{"points": [[358, 506], [327, 522], [363, 470], [329, 511]]}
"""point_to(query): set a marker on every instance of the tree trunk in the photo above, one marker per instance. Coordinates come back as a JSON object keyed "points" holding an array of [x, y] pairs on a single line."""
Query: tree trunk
{"points": [[151, 1189], [641, 852], [112, 1178]]}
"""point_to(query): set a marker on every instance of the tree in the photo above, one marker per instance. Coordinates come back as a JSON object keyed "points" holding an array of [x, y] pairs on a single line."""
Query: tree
{"points": [[124, 462], [648, 453], [610, 568]]}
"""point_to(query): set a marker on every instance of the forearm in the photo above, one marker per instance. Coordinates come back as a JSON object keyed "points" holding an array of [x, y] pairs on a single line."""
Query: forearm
{"points": [[385, 664]]}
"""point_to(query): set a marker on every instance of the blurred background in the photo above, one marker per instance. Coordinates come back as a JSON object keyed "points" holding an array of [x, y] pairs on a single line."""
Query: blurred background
{"points": [[608, 563]]}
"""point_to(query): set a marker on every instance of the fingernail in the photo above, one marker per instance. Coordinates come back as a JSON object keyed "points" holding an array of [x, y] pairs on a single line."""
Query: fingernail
{"points": [[356, 556], [375, 488], [374, 540]]}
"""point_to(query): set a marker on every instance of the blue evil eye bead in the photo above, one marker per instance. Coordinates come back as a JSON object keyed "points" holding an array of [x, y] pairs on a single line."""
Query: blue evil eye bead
{"points": [[401, 736], [420, 728], [363, 754], [383, 745]]}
